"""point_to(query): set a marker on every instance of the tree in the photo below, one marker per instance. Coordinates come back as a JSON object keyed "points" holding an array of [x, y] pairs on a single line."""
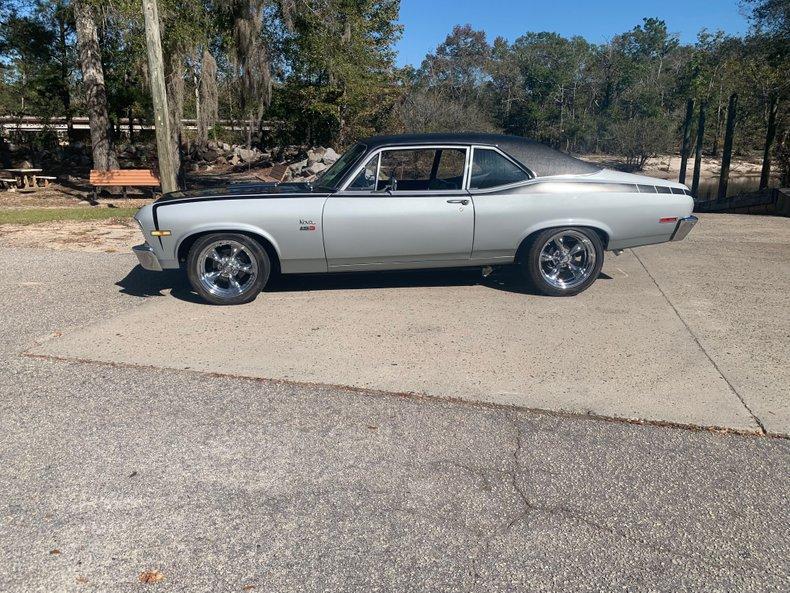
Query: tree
{"points": [[457, 70], [341, 81], [104, 157], [426, 110]]}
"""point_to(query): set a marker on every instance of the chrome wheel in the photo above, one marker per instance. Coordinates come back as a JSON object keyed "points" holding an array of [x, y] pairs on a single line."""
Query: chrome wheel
{"points": [[226, 268], [567, 259]]}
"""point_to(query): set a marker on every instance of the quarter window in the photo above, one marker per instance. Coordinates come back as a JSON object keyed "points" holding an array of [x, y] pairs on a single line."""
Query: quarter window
{"points": [[491, 169]]}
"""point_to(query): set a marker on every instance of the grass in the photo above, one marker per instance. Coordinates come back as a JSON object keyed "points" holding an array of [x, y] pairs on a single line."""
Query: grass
{"points": [[37, 215]]}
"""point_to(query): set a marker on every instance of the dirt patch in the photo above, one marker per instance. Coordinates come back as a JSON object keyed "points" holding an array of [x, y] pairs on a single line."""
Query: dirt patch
{"points": [[58, 196], [109, 236]]}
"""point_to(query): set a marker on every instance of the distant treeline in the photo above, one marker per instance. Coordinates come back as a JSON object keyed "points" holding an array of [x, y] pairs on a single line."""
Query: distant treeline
{"points": [[326, 70]]}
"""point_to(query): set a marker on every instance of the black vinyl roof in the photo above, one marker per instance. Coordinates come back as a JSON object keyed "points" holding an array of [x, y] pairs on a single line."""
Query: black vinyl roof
{"points": [[539, 158]]}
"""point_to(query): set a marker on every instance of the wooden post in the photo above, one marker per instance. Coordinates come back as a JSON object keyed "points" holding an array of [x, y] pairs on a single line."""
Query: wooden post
{"points": [[698, 150], [765, 174], [167, 171], [686, 146], [727, 156]]}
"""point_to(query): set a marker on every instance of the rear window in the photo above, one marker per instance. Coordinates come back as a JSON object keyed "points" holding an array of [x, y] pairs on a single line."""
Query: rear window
{"points": [[491, 169]]}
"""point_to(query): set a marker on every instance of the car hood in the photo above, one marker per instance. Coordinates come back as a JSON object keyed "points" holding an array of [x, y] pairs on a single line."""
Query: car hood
{"points": [[240, 189]]}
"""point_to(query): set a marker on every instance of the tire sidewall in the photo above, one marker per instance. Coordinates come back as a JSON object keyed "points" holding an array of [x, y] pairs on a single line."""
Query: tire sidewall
{"points": [[531, 263], [255, 249]]}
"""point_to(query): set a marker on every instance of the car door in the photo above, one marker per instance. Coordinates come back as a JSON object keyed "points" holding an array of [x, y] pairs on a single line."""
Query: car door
{"points": [[404, 207]]}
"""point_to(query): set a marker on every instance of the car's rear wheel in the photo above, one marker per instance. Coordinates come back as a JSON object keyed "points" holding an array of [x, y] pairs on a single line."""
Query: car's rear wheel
{"points": [[563, 261], [228, 268]]}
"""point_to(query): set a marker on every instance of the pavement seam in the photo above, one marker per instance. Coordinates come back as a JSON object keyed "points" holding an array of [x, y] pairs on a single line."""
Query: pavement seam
{"points": [[444, 399], [700, 346], [558, 413]]}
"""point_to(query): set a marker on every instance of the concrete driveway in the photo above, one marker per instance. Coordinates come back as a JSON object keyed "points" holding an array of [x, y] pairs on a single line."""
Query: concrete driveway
{"points": [[111, 472], [694, 333]]}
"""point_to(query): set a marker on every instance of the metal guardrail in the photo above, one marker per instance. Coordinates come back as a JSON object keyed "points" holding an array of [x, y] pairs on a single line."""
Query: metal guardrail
{"points": [[776, 201]]}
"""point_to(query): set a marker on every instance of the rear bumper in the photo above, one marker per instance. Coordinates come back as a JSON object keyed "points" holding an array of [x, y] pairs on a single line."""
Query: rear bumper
{"points": [[683, 228], [146, 257]]}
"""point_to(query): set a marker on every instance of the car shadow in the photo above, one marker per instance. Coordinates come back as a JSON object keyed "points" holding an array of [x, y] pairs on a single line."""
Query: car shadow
{"points": [[143, 283]]}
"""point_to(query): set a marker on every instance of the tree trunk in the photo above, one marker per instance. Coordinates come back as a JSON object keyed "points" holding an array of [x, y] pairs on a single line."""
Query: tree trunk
{"points": [[724, 176], [686, 146], [104, 157], [698, 151], [770, 134], [174, 88], [65, 71], [167, 167]]}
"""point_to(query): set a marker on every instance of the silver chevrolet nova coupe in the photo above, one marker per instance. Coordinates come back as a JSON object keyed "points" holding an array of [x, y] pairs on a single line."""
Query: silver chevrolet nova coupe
{"points": [[418, 201]]}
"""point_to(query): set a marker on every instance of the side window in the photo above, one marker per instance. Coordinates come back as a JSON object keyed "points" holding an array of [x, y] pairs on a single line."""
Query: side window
{"points": [[491, 169], [422, 169], [366, 180], [450, 172]]}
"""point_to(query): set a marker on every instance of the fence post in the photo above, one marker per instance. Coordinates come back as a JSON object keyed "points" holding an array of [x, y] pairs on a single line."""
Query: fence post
{"points": [[727, 156], [167, 166]]}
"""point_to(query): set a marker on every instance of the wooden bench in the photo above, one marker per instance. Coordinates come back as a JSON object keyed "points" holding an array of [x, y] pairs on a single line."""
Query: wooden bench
{"points": [[122, 178], [47, 179]]}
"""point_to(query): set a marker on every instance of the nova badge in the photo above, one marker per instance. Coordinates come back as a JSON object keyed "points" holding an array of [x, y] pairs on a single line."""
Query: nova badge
{"points": [[306, 225]]}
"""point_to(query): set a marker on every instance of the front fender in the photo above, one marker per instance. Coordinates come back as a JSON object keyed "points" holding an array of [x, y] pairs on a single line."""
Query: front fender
{"points": [[223, 228]]}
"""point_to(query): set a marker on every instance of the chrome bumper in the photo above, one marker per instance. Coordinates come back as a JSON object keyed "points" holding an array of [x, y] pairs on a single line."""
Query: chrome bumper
{"points": [[684, 228], [146, 257]]}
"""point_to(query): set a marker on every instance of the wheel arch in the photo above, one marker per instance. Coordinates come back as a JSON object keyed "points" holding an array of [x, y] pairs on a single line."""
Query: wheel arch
{"points": [[601, 230], [268, 245]]}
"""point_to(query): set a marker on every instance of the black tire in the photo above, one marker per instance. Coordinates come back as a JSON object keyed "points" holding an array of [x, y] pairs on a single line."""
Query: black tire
{"points": [[251, 255], [531, 265]]}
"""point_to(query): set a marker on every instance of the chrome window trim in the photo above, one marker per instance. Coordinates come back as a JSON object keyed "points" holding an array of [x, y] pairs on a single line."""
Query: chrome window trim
{"points": [[380, 149], [531, 175]]}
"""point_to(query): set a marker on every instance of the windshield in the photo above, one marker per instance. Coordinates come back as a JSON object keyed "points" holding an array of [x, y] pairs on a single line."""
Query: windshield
{"points": [[334, 174]]}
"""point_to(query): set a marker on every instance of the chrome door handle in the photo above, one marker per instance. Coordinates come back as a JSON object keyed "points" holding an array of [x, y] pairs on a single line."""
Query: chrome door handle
{"points": [[464, 202]]}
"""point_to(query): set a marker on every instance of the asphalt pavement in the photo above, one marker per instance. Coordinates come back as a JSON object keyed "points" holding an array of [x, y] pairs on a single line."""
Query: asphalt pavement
{"points": [[108, 472]]}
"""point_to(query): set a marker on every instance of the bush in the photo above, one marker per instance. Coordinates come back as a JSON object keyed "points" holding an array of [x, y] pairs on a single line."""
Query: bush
{"points": [[640, 138]]}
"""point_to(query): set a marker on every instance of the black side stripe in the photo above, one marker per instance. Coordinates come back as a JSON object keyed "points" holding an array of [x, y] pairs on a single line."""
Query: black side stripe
{"points": [[158, 205]]}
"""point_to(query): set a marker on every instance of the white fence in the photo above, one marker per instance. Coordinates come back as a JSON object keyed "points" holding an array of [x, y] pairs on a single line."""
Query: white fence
{"points": [[10, 123]]}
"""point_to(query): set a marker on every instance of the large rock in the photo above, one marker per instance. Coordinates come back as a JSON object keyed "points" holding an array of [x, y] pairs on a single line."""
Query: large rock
{"points": [[297, 167], [209, 155], [316, 168], [330, 156], [248, 155], [314, 155]]}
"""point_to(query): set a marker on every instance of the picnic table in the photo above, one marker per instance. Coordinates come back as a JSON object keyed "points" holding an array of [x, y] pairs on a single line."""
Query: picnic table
{"points": [[29, 177]]}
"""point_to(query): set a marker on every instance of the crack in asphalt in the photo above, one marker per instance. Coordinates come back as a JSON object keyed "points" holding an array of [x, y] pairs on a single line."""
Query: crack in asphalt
{"points": [[529, 506], [701, 347]]}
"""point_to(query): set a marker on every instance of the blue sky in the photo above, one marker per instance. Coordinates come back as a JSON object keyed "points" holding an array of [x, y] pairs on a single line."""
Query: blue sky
{"points": [[427, 22]]}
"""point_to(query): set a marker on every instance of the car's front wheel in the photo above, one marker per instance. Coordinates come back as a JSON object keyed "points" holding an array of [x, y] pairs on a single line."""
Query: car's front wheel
{"points": [[563, 261], [228, 268]]}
